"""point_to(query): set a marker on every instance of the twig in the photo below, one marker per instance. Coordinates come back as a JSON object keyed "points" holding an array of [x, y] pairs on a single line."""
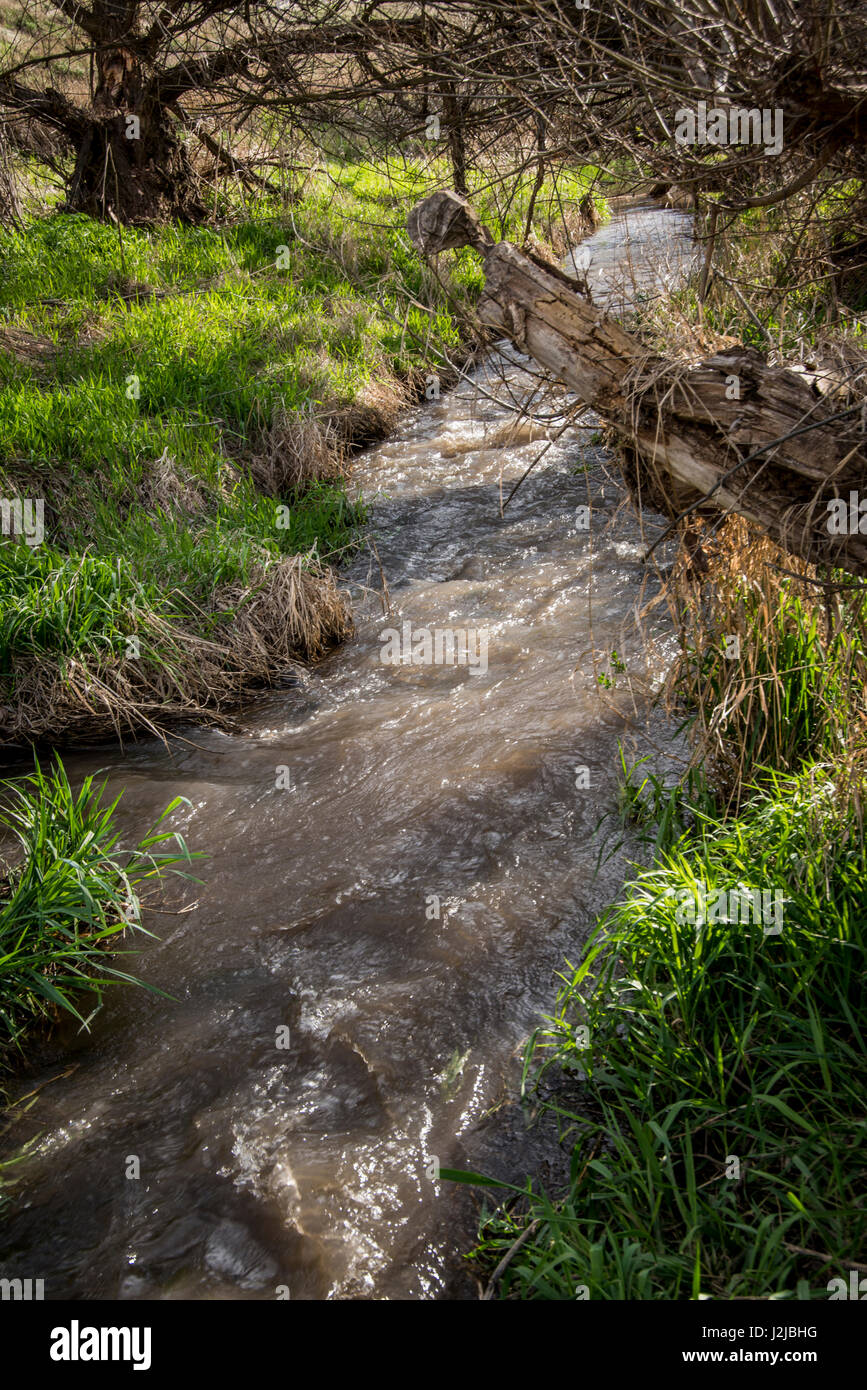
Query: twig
{"points": [[59, 1077], [509, 1255], [828, 1259]]}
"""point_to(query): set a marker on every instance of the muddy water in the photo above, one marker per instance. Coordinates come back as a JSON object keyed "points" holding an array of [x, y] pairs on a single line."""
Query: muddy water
{"points": [[400, 909]]}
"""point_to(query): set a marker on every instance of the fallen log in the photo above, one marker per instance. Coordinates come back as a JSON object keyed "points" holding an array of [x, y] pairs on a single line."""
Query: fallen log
{"points": [[730, 433]]}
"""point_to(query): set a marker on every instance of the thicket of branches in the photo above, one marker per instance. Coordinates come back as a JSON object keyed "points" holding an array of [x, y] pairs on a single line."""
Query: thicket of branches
{"points": [[595, 83], [128, 102]]}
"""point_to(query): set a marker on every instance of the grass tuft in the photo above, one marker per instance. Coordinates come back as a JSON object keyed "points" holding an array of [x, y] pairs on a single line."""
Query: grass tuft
{"points": [[68, 895], [715, 1073]]}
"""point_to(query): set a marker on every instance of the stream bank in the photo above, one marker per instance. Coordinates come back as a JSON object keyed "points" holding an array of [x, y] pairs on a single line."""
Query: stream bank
{"points": [[400, 858]]}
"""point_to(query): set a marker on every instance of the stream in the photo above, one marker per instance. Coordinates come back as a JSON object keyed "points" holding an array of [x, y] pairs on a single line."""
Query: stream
{"points": [[374, 941]]}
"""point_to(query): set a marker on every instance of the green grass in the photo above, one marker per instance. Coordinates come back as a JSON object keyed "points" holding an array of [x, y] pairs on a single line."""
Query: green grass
{"points": [[716, 1074], [158, 368], [68, 895], [708, 1070]]}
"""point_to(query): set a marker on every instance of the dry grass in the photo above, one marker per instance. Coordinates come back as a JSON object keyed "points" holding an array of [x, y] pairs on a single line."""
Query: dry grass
{"points": [[299, 450], [796, 690], [292, 612], [286, 614], [296, 451], [376, 409], [31, 350], [169, 487]]}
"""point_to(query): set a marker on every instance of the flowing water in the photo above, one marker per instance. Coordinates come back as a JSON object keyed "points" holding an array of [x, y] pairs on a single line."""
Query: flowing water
{"points": [[400, 908]]}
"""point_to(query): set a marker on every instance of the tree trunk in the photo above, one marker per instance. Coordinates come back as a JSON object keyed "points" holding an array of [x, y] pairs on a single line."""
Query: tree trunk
{"points": [[731, 433], [453, 115], [130, 161]]}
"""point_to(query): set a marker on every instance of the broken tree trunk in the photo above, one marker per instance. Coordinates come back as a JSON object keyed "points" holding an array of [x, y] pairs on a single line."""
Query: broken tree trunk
{"points": [[732, 433]]}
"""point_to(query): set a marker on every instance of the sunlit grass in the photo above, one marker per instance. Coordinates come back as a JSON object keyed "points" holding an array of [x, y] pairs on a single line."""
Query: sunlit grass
{"points": [[169, 362], [714, 1073], [67, 898]]}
